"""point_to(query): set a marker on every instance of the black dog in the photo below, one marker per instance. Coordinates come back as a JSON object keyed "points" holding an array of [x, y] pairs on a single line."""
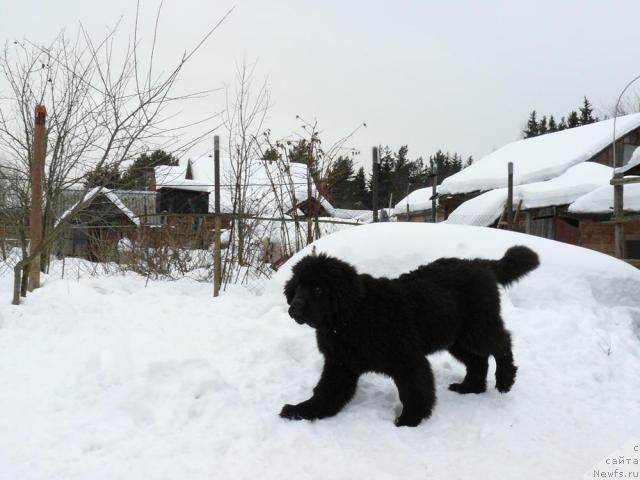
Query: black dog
{"points": [[366, 324]]}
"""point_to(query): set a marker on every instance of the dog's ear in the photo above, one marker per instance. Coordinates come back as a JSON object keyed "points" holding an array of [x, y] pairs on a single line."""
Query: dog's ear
{"points": [[345, 293]]}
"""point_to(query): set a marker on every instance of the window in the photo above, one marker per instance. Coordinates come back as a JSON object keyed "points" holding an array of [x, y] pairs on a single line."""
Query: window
{"points": [[626, 155]]}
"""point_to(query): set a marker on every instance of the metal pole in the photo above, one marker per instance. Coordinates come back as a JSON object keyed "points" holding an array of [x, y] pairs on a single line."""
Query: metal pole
{"points": [[510, 194], [374, 183], [37, 163], [217, 259], [618, 189]]}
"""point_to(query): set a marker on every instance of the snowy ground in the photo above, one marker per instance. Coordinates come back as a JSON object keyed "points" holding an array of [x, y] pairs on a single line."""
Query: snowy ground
{"points": [[103, 378]]}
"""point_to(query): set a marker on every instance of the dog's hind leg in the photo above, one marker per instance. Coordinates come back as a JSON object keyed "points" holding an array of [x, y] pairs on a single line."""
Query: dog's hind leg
{"points": [[417, 392], [475, 381], [505, 368]]}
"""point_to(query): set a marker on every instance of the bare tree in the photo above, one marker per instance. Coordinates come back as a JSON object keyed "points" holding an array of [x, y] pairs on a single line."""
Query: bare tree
{"points": [[106, 104]]}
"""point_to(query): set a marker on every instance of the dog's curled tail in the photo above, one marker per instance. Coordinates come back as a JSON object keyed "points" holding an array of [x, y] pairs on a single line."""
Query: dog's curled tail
{"points": [[516, 262]]}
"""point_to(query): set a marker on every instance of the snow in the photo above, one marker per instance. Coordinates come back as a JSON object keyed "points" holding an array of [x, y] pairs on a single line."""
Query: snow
{"points": [[361, 216], [480, 211], [103, 378], [186, 184], [539, 158], [601, 200], [417, 200], [578, 180], [109, 194]]}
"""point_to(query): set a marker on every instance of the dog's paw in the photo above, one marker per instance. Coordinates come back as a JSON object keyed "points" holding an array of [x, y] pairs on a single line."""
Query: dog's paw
{"points": [[464, 388], [293, 412], [407, 421], [505, 378]]}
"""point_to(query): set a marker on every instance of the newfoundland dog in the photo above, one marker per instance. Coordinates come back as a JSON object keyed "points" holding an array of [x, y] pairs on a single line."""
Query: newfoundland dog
{"points": [[366, 324]]}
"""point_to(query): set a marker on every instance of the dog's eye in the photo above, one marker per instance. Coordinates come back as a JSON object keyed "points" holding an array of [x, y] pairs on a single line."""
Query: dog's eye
{"points": [[317, 291]]}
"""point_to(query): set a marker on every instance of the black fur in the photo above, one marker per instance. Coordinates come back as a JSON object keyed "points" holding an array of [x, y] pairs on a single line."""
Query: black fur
{"points": [[366, 324]]}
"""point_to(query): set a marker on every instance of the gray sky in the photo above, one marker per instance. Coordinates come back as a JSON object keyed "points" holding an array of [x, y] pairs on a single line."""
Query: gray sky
{"points": [[457, 75]]}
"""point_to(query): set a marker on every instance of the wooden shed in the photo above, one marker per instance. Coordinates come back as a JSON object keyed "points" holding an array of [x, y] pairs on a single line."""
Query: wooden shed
{"points": [[94, 232]]}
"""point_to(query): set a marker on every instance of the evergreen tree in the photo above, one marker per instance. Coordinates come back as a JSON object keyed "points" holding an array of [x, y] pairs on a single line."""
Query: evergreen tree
{"points": [[542, 126], [532, 126], [586, 113], [137, 176], [107, 176], [552, 125], [563, 124], [271, 154], [339, 182], [361, 195], [573, 120]]}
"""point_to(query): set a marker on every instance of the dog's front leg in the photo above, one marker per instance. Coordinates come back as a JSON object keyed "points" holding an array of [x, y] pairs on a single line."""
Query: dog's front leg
{"points": [[334, 390], [417, 392]]}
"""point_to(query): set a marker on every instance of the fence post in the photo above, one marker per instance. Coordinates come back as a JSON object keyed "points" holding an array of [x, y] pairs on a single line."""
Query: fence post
{"points": [[35, 220], [434, 199], [374, 183], [510, 194], [217, 260], [618, 212]]}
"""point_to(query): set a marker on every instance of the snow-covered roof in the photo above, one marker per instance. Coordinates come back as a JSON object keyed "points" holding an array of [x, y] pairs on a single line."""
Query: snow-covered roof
{"points": [[578, 180], [362, 216], [480, 211], [185, 184], [168, 175], [417, 200], [539, 158], [600, 200], [110, 195]]}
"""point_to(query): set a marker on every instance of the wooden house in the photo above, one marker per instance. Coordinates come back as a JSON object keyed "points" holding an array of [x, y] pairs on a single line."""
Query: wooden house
{"points": [[94, 232], [542, 158]]}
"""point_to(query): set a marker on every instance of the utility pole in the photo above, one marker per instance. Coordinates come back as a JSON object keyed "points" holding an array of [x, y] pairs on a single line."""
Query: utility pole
{"points": [[374, 183], [217, 260], [37, 165]]}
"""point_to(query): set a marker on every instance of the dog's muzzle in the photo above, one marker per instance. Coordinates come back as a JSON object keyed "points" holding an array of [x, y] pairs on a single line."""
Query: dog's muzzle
{"points": [[295, 311]]}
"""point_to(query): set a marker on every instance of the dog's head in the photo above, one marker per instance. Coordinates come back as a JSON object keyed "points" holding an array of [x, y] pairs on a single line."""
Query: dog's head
{"points": [[322, 291]]}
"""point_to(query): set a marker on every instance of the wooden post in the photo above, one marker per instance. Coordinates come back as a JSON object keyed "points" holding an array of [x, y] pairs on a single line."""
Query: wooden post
{"points": [[309, 194], [618, 209], [510, 194], [434, 200], [37, 163], [374, 183], [217, 260]]}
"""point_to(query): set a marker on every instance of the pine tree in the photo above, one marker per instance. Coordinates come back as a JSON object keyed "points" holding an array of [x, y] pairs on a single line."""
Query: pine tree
{"points": [[271, 154], [361, 195], [586, 113], [137, 176], [573, 120], [563, 124], [107, 176], [532, 126], [339, 183], [552, 125], [542, 126]]}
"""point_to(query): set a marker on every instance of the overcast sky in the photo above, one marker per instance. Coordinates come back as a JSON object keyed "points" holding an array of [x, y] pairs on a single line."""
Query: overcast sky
{"points": [[456, 75]]}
